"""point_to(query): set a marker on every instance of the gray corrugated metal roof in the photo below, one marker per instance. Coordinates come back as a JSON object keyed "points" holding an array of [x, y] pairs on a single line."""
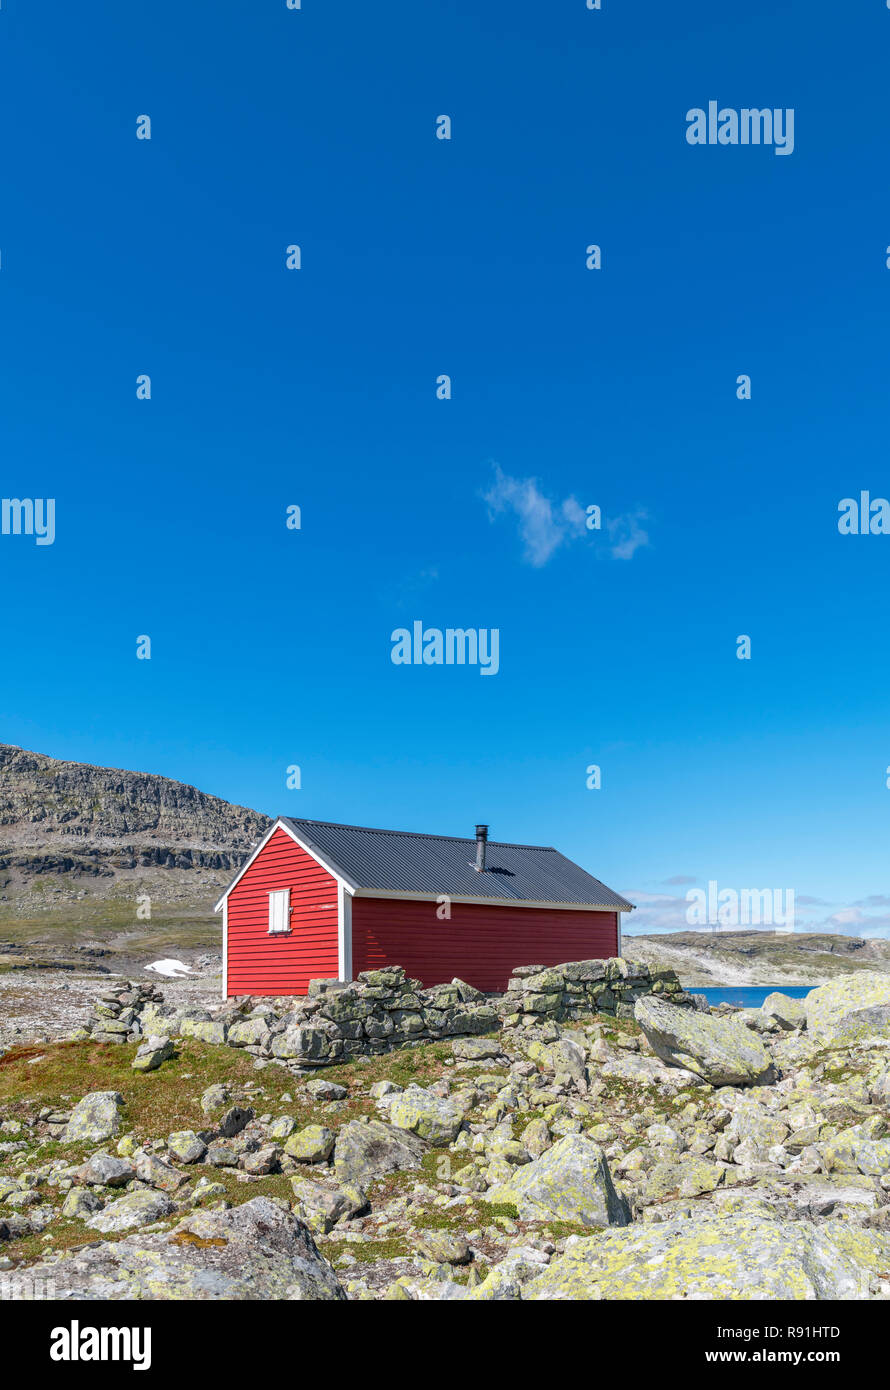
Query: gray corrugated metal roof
{"points": [[403, 861]]}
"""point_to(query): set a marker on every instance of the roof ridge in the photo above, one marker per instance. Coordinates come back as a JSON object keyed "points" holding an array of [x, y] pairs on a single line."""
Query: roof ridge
{"points": [[415, 834]]}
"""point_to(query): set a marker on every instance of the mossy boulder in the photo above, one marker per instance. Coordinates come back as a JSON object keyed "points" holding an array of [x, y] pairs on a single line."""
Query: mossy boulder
{"points": [[313, 1144], [366, 1151], [134, 1209], [719, 1050], [728, 1258], [569, 1182], [849, 1008], [257, 1251], [790, 1013], [433, 1118], [95, 1118]]}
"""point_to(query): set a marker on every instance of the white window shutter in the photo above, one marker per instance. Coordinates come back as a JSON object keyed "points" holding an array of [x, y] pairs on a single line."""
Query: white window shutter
{"points": [[279, 911]]}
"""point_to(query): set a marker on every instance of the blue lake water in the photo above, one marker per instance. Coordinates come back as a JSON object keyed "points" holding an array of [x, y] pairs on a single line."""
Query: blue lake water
{"points": [[750, 996]]}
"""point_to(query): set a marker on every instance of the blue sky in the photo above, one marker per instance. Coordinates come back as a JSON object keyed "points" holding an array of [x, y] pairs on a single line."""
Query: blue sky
{"points": [[570, 387]]}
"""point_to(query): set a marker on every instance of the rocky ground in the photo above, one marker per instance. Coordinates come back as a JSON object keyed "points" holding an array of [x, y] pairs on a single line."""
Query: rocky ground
{"points": [[48, 1002], [673, 1154]]}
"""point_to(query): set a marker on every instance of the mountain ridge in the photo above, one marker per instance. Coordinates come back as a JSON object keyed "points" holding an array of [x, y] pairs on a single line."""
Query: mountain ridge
{"points": [[71, 830]]}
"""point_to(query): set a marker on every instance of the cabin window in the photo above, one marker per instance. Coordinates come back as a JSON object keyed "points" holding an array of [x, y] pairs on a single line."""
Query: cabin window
{"points": [[279, 912]]}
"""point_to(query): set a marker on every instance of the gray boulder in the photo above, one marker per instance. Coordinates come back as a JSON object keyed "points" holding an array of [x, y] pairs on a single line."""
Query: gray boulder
{"points": [[718, 1050], [106, 1170], [791, 1013], [432, 1117], [94, 1118], [476, 1049], [721, 1258], [367, 1151], [849, 1008], [320, 1089], [185, 1146], [569, 1182], [152, 1053], [324, 1206], [256, 1251], [132, 1210], [233, 1121]]}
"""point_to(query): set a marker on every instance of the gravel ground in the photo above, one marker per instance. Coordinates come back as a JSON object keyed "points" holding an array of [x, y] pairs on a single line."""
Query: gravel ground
{"points": [[43, 1005]]}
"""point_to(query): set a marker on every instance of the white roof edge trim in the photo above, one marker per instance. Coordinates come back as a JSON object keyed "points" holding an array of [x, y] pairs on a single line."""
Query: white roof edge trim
{"points": [[311, 849]]}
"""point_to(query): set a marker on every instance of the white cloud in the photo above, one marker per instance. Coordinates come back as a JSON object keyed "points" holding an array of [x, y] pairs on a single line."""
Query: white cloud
{"points": [[543, 525], [627, 534]]}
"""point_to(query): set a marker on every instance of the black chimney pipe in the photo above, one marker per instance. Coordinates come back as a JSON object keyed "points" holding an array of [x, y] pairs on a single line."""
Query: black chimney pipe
{"points": [[481, 838]]}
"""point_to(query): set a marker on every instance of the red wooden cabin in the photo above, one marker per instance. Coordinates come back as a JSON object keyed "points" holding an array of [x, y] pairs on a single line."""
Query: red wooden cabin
{"points": [[323, 901]]}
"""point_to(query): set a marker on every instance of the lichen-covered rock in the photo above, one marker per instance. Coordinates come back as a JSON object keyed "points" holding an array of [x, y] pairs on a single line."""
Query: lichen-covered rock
{"points": [[728, 1258], [880, 1091], [186, 1147], [310, 1046], [250, 1032], [565, 1055], [718, 1050], [319, 1088], [94, 1118], [753, 1122], [791, 1013], [431, 1117], [445, 1247], [310, 1145], [132, 1210], [106, 1170], [569, 1182], [80, 1203], [221, 1156], [685, 1176], [153, 1170], [205, 1030], [366, 1151], [476, 1049], [215, 1096], [322, 1207], [152, 1053], [256, 1251], [849, 1008], [852, 1151]]}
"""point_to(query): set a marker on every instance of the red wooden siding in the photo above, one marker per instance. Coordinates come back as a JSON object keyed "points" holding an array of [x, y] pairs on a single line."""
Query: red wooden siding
{"points": [[262, 964], [480, 944]]}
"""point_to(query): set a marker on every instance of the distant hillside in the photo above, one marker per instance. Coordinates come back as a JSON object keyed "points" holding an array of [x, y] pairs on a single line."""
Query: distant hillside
{"points": [[757, 957], [77, 836]]}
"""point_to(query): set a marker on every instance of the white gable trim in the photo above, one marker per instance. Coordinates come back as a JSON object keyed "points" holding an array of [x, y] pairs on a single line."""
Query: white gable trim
{"points": [[225, 965], [310, 849], [334, 869]]}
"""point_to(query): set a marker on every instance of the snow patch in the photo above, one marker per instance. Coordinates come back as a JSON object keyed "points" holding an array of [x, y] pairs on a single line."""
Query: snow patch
{"points": [[172, 969]]}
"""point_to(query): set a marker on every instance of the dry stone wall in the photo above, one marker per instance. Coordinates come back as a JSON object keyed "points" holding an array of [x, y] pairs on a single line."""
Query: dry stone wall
{"points": [[382, 1010]]}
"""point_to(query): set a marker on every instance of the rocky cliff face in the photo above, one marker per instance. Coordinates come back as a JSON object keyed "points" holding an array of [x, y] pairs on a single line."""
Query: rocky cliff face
{"points": [[73, 830]]}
